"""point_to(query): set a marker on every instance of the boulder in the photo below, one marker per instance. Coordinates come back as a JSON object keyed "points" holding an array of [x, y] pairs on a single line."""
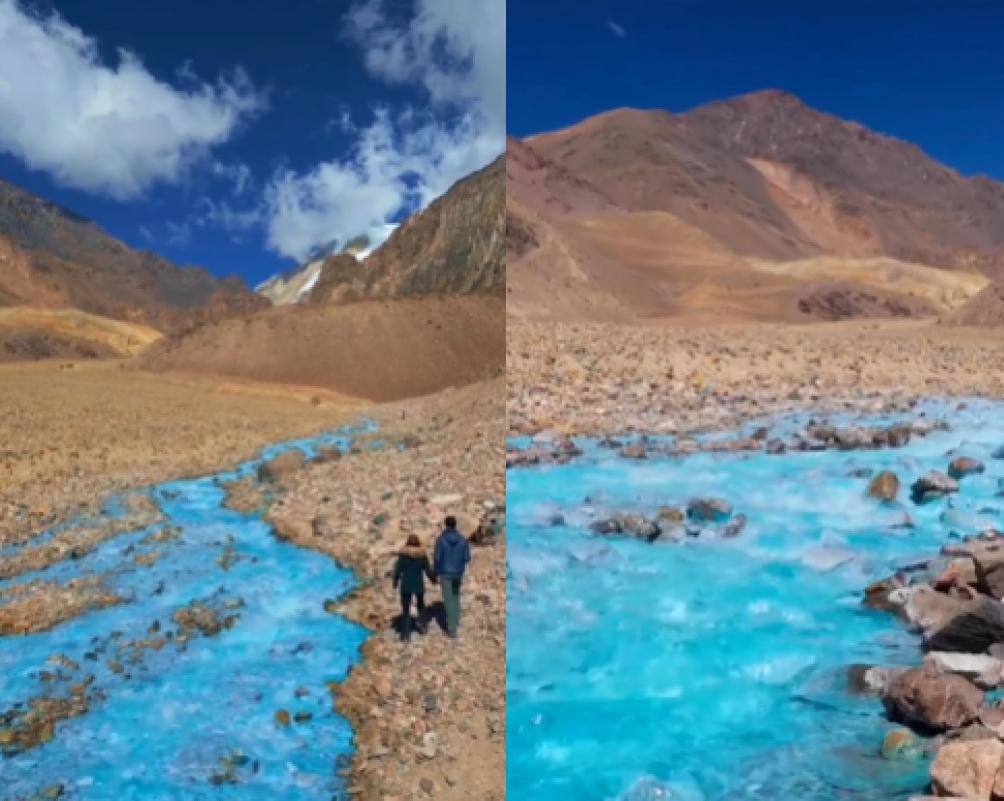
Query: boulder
{"points": [[976, 627], [932, 486], [285, 464], [878, 594], [967, 769], [963, 466], [989, 568], [634, 451], [629, 523], [982, 669], [928, 700], [923, 608], [709, 510], [898, 436], [884, 487]]}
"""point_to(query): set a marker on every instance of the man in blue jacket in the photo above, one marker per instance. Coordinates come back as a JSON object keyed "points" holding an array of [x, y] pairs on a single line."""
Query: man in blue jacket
{"points": [[452, 554]]}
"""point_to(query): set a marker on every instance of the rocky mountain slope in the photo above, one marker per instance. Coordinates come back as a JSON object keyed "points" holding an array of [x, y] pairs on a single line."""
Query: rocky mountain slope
{"points": [[455, 246], [646, 214], [52, 258]]}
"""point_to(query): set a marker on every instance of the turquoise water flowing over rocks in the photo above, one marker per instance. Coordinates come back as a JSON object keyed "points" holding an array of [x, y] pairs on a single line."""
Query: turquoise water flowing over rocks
{"points": [[716, 668], [223, 627]]}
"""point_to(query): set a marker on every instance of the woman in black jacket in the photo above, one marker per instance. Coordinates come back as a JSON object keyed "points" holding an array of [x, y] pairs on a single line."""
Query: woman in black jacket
{"points": [[409, 573]]}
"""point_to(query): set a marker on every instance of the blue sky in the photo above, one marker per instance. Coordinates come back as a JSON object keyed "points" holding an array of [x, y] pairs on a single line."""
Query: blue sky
{"points": [[928, 72], [237, 135]]}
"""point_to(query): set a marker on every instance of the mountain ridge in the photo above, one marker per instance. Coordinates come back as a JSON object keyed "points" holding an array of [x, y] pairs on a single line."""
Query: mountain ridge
{"points": [[761, 177]]}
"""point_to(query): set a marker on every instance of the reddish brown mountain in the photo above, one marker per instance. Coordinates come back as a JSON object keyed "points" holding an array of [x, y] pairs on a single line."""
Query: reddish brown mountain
{"points": [[455, 246], [756, 207], [52, 258]]}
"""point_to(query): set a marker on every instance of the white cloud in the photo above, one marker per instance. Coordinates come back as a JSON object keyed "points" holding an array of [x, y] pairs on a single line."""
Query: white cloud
{"points": [[618, 30], [239, 175], [113, 130], [454, 51]]}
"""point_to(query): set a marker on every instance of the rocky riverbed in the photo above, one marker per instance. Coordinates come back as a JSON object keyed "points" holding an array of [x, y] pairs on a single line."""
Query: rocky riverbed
{"points": [[635, 437], [429, 714]]}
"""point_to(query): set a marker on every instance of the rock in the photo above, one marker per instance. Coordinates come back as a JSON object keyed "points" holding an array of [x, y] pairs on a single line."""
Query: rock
{"points": [[566, 446], [931, 486], [898, 436], [967, 769], [430, 745], [928, 700], [923, 608], [709, 510], [869, 679], [983, 670], [631, 523], [884, 487], [902, 744], [327, 453], [636, 450], [281, 466], [735, 526], [446, 499], [196, 617], [988, 566], [853, 438], [877, 594], [977, 626], [963, 466], [670, 515]]}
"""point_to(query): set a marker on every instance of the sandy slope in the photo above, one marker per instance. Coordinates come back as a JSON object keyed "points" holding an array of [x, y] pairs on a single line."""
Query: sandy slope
{"points": [[69, 333], [379, 350]]}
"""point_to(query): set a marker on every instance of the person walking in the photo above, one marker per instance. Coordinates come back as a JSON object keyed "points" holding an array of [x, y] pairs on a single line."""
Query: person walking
{"points": [[409, 574], [452, 554]]}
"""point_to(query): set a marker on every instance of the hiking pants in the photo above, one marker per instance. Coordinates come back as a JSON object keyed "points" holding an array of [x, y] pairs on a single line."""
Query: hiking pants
{"points": [[451, 601]]}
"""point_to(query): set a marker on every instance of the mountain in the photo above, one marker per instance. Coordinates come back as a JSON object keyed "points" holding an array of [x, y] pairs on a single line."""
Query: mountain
{"points": [[52, 258], [422, 312], [454, 246], [377, 350], [758, 207]]}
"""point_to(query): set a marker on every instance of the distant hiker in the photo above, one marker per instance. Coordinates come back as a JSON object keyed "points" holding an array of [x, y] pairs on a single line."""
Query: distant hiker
{"points": [[453, 553], [409, 573]]}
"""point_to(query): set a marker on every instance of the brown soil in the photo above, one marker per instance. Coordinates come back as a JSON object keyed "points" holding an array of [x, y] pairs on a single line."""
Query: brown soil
{"points": [[69, 435], [380, 350]]}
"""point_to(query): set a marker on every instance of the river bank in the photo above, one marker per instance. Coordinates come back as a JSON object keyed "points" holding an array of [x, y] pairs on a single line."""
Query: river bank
{"points": [[598, 379], [429, 715], [73, 435], [618, 508]]}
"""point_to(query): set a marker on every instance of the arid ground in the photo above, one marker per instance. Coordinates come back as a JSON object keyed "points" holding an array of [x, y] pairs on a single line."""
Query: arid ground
{"points": [[594, 378], [429, 716], [72, 432]]}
